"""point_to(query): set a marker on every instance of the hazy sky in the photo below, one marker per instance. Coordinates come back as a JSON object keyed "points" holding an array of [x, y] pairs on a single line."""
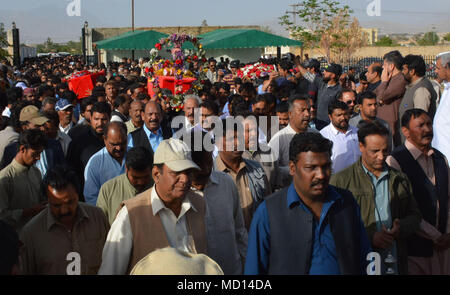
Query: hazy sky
{"points": [[40, 19]]}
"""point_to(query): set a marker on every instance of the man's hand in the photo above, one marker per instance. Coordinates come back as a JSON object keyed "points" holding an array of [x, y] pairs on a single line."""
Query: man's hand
{"points": [[443, 242], [395, 230], [273, 76], [361, 88], [382, 240], [385, 76]]}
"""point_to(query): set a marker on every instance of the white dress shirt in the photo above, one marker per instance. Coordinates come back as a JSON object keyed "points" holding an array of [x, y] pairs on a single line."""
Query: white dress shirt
{"points": [[345, 150], [119, 243], [67, 128], [441, 123]]}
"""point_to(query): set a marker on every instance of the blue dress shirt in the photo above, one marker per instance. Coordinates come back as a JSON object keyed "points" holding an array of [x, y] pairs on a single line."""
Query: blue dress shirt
{"points": [[155, 139], [100, 168], [324, 257]]}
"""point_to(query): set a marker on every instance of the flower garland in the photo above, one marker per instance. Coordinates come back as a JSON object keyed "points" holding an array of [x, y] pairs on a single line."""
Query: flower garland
{"points": [[175, 67], [256, 70]]}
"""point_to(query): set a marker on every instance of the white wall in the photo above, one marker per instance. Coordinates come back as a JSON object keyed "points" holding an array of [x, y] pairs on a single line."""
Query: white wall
{"points": [[243, 54]]}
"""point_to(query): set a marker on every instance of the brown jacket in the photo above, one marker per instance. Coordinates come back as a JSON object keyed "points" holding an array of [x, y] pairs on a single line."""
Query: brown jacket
{"points": [[391, 94], [148, 231]]}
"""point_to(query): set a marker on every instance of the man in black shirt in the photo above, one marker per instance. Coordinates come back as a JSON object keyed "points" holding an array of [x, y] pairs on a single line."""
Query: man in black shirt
{"points": [[88, 140]]}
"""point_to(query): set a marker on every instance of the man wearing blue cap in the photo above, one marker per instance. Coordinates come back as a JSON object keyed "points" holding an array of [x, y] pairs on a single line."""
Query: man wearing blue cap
{"points": [[65, 113]]}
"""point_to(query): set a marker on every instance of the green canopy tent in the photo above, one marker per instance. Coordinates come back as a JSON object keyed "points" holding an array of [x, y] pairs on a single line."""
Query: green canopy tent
{"points": [[141, 42], [244, 44]]}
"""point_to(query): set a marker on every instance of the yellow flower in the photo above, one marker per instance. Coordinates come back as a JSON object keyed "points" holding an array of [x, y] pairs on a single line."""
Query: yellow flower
{"points": [[200, 46]]}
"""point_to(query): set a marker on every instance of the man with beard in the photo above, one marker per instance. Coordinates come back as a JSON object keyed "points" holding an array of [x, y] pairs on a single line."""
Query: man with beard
{"points": [[90, 140], [344, 137], [107, 163], [137, 178], [332, 237], [419, 93], [65, 226], [135, 122], [168, 214], [349, 97], [373, 76], [384, 195], [428, 171], [328, 87], [282, 112]]}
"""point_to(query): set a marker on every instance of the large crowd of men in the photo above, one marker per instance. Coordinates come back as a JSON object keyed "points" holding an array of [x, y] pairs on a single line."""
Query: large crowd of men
{"points": [[305, 170]]}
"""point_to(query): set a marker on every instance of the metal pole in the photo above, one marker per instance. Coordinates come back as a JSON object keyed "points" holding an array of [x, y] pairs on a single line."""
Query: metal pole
{"points": [[132, 25], [16, 45]]}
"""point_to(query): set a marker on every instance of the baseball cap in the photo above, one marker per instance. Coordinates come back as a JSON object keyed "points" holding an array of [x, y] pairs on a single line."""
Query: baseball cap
{"points": [[171, 261], [175, 154], [334, 68], [235, 64], [62, 104], [31, 114]]}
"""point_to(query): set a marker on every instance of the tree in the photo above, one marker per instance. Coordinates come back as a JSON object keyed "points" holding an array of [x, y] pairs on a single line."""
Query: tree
{"points": [[447, 37], [430, 38], [316, 17], [342, 39], [385, 41]]}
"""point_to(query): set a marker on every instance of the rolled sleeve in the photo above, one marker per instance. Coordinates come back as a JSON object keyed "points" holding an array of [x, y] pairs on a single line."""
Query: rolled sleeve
{"points": [[258, 250]]}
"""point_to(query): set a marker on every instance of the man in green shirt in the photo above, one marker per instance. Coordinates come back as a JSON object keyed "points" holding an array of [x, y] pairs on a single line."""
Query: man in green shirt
{"points": [[137, 178], [21, 197]]}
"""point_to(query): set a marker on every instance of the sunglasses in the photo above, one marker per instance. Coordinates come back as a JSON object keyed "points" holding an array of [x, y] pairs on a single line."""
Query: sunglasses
{"points": [[349, 102]]}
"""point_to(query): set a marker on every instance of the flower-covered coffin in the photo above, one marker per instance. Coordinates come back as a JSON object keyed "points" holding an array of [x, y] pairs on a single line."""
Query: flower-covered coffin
{"points": [[169, 82]]}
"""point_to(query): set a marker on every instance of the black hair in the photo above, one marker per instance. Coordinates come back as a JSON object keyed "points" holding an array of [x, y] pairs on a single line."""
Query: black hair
{"points": [[143, 96], [224, 86], [32, 138], [60, 177], [411, 114], [259, 98], [139, 158], [371, 128], [85, 102], [293, 98], [394, 57], [101, 79], [134, 86], [378, 69], [69, 95], [282, 107], [49, 100], [336, 104], [210, 105], [285, 65], [98, 91], [416, 63], [43, 89], [52, 116], [308, 142], [120, 99], [366, 95], [101, 107], [229, 124], [269, 98]]}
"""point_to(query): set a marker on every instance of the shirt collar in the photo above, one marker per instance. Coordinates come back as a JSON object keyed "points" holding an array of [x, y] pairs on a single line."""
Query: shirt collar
{"points": [[415, 82], [19, 167], [336, 132], [293, 198], [222, 167], [415, 152], [149, 133], [158, 204], [51, 220], [382, 174]]}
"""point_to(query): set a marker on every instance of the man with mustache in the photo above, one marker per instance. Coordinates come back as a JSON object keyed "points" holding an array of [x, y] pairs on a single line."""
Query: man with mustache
{"points": [[427, 169], [136, 179], [299, 118], [191, 102], [152, 132], [168, 214], [309, 227], [343, 136], [65, 226], [135, 122], [89, 140], [419, 93], [108, 162], [388, 208], [65, 113]]}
